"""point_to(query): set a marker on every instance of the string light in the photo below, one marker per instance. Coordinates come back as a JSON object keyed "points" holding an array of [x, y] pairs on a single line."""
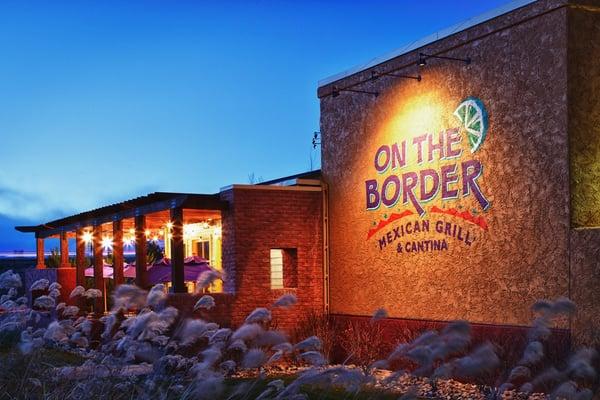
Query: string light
{"points": [[107, 242], [87, 237]]}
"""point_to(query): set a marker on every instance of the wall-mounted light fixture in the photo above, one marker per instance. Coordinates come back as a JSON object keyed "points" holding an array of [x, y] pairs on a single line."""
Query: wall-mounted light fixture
{"points": [[377, 74], [336, 92], [316, 140], [424, 57]]}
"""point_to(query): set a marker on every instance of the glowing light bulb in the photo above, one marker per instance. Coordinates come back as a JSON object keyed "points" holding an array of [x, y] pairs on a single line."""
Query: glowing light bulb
{"points": [[132, 231], [169, 225], [87, 237], [107, 242], [147, 232]]}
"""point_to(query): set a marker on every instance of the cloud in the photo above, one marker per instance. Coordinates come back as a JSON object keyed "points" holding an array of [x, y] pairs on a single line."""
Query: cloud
{"points": [[21, 205]]}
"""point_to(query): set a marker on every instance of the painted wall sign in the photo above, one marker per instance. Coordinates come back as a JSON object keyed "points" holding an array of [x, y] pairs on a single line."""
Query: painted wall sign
{"points": [[416, 180]]}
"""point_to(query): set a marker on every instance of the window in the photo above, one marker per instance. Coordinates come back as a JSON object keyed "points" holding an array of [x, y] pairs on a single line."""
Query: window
{"points": [[276, 269], [284, 268]]}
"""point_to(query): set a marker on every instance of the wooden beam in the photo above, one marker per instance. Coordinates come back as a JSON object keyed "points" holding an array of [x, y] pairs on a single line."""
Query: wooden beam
{"points": [[140, 251], [177, 256], [80, 257], [39, 253], [64, 250], [118, 252], [98, 267]]}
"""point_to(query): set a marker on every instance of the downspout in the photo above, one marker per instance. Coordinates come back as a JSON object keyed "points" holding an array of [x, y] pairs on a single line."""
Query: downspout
{"points": [[325, 191]]}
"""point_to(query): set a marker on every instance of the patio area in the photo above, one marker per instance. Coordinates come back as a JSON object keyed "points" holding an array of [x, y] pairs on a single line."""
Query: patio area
{"points": [[187, 228]]}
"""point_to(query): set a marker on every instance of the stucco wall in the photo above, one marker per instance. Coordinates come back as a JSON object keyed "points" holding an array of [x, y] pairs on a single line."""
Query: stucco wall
{"points": [[584, 130], [519, 72]]}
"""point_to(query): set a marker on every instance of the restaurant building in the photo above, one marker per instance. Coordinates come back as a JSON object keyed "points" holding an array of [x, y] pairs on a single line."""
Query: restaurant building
{"points": [[463, 171], [460, 180]]}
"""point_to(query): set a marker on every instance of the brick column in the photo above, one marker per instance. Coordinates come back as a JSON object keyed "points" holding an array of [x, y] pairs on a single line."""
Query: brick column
{"points": [[140, 251], [39, 253], [80, 257], [177, 267], [118, 252], [64, 250], [98, 267]]}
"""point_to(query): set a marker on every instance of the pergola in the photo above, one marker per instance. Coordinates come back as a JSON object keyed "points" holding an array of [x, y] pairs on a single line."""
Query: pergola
{"points": [[151, 212]]}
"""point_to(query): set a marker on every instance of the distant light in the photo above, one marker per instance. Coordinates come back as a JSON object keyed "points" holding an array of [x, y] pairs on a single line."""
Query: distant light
{"points": [[169, 225], [147, 232], [155, 238], [132, 231], [128, 241]]}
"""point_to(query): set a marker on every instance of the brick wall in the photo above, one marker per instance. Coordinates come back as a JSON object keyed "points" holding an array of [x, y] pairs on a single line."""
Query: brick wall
{"points": [[263, 218]]}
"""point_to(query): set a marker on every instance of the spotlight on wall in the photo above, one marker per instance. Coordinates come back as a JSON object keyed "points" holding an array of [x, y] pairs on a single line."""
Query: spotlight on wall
{"points": [[336, 92], [424, 57], [376, 74]]}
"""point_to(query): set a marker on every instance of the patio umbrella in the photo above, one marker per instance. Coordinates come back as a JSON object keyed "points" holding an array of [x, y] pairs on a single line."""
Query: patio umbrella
{"points": [[107, 271]]}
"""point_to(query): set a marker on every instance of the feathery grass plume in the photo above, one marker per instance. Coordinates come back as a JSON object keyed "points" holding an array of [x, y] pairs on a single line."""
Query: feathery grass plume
{"points": [[129, 297], [313, 357], [569, 391], [308, 344], [157, 297], [54, 293], [284, 347], [194, 330], [227, 367], [271, 390], [206, 278], [55, 286], [70, 312], [40, 284], [28, 343], [79, 340], [278, 355], [481, 361], [77, 292], [210, 357], [219, 336], [239, 345], [56, 333], [286, 301], [580, 365], [93, 293], [379, 314], [519, 375], [60, 306], [254, 358], [533, 354], [247, 332], [9, 280], [206, 302], [46, 303], [259, 315]]}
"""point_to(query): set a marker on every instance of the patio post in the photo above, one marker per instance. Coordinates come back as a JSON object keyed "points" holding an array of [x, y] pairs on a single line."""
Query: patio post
{"points": [[80, 257], [140, 251], [39, 253], [64, 250], [118, 252], [177, 267], [98, 267]]}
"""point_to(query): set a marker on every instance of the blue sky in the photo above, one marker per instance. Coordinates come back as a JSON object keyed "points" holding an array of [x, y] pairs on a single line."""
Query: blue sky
{"points": [[101, 101]]}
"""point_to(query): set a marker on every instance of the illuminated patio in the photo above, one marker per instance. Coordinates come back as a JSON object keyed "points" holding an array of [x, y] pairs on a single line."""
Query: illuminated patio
{"points": [[187, 225]]}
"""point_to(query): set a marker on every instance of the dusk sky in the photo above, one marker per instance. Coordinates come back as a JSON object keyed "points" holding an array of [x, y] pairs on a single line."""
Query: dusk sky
{"points": [[108, 100]]}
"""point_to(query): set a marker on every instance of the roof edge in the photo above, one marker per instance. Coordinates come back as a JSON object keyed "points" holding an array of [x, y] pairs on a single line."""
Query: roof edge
{"points": [[434, 37]]}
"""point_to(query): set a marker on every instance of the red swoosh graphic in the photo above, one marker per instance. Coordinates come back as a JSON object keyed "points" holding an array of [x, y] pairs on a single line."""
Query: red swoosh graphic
{"points": [[383, 223]]}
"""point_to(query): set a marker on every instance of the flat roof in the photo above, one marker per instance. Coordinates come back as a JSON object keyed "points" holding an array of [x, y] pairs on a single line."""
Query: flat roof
{"points": [[444, 33]]}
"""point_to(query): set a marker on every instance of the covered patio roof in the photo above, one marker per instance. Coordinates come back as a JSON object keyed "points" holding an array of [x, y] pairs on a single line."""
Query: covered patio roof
{"points": [[154, 205]]}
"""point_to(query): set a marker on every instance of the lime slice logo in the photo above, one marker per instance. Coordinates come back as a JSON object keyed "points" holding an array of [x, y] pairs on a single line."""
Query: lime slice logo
{"points": [[474, 119]]}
